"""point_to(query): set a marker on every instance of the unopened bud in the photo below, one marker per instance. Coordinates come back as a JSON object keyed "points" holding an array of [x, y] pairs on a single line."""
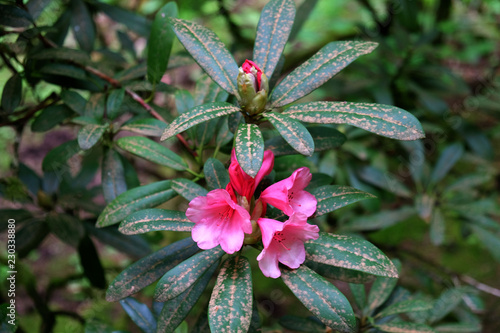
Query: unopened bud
{"points": [[253, 88]]}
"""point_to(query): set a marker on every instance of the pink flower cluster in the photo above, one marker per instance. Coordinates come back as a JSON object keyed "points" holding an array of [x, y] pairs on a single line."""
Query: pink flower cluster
{"points": [[224, 216]]}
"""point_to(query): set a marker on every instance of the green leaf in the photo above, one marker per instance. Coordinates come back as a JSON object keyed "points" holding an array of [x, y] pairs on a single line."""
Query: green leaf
{"points": [[449, 157], [188, 189], [349, 252], [138, 198], [155, 219], [184, 101], [303, 13], [56, 159], [67, 228], [293, 132], [131, 20], [380, 119], [83, 25], [447, 302], [381, 220], [13, 16], [182, 276], [216, 174], [437, 227], [489, 240], [321, 67], [12, 92], [64, 54], [140, 314], [382, 288], [134, 246], [50, 117], [384, 180], [404, 327], [299, 324], [468, 182], [198, 115], [208, 91], [112, 175], [339, 273], [74, 101], [275, 24], [175, 310], [359, 293], [411, 305], [152, 151], [66, 70], [160, 42], [333, 197], [209, 52], [224, 134], [30, 235], [90, 134], [91, 264], [249, 147], [148, 127], [149, 269], [458, 328], [325, 138], [230, 307], [114, 102], [321, 297]]}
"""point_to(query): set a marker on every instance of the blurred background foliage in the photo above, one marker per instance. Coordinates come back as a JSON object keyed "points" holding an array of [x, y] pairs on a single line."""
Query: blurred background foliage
{"points": [[438, 205]]}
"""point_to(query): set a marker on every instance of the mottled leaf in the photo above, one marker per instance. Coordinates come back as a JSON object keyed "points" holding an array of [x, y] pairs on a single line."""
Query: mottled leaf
{"points": [[216, 174], [230, 307], [209, 52], [152, 151], [188, 189], [149, 269], [138, 198], [148, 127], [140, 314], [380, 119], [382, 288], [90, 134], [321, 297], [321, 67], [275, 24], [182, 276], [293, 132], [249, 147], [12, 92], [198, 115], [154, 219], [333, 197]]}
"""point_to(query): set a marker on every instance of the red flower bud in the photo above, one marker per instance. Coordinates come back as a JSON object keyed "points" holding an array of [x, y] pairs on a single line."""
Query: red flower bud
{"points": [[247, 68]]}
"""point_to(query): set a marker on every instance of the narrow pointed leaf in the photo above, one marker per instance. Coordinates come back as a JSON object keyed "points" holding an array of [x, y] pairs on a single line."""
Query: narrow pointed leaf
{"points": [[230, 307], [380, 119], [198, 115], [404, 327], [322, 298], [160, 42], [293, 132], [381, 220], [339, 273], [349, 252], [148, 127], [56, 159], [12, 93], [209, 52], [83, 25], [447, 160], [382, 289], [321, 67], [208, 91], [140, 314], [138, 198], [90, 134], [216, 174], [384, 180], [437, 227], [182, 276], [333, 197], [458, 328], [74, 101], [303, 13], [114, 103], [154, 219], [175, 310], [149, 269], [490, 240], [51, 117], [113, 175], [359, 293], [152, 151], [411, 305], [275, 24], [447, 302], [91, 264], [188, 189], [249, 147]]}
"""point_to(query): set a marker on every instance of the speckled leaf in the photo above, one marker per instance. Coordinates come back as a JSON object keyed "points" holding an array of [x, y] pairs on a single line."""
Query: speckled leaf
{"points": [[382, 288], [349, 252], [332, 197], [249, 147], [140, 314], [380, 119], [209, 52], [152, 151], [90, 134], [149, 269], [160, 42], [404, 327], [216, 174], [188, 189], [182, 276], [339, 273], [449, 157], [275, 24], [154, 219], [12, 93], [293, 132], [198, 115], [138, 198], [175, 310], [325, 138], [148, 127], [322, 298], [321, 67], [411, 305], [230, 307]]}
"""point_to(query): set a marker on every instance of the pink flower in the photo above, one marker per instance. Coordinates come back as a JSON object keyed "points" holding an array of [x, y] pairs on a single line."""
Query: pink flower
{"points": [[249, 67], [289, 195], [244, 184], [284, 242], [219, 220]]}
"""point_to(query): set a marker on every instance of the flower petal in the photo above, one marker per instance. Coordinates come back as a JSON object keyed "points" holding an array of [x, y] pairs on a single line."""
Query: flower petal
{"points": [[268, 263]]}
